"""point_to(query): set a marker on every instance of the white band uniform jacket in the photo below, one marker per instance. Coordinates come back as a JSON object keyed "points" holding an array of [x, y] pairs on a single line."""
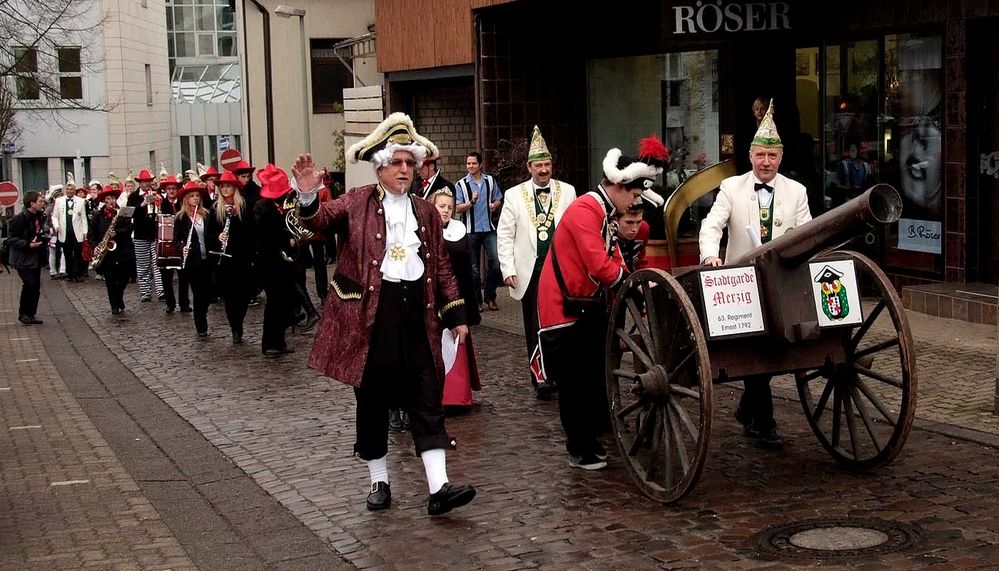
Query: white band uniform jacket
{"points": [[517, 236], [737, 205]]}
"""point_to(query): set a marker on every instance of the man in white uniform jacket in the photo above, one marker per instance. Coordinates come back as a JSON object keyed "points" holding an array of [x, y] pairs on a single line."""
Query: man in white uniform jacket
{"points": [[531, 211], [756, 206]]}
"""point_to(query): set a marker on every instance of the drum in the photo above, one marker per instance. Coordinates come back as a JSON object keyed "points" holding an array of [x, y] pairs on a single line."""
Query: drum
{"points": [[167, 253]]}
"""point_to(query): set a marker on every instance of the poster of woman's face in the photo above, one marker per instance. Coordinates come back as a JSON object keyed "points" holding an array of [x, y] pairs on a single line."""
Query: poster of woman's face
{"points": [[920, 134]]}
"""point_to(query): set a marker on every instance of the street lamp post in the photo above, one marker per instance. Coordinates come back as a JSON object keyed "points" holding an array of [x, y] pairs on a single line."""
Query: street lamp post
{"points": [[288, 12]]}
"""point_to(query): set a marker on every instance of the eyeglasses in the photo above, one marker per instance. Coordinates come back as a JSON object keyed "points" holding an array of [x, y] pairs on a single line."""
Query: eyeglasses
{"points": [[397, 163]]}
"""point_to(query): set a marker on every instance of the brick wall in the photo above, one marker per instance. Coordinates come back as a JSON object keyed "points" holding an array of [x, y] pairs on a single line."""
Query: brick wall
{"points": [[445, 114]]}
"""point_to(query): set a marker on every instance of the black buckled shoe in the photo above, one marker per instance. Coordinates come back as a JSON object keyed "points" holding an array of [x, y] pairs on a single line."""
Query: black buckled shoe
{"points": [[380, 496], [448, 498], [769, 438]]}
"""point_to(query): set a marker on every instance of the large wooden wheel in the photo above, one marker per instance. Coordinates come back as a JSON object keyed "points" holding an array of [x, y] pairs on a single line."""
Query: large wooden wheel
{"points": [[659, 384], [862, 410]]}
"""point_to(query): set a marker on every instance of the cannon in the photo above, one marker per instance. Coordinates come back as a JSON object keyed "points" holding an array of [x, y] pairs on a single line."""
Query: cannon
{"points": [[798, 306]]}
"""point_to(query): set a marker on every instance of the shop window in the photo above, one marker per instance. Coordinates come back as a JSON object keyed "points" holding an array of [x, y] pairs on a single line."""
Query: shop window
{"points": [[329, 77], [674, 95]]}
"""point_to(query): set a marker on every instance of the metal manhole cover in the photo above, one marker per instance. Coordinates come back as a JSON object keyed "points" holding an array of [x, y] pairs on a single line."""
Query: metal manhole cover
{"points": [[825, 538]]}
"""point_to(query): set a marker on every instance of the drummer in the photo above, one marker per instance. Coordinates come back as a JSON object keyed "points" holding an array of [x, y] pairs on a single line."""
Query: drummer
{"points": [[171, 206], [757, 206]]}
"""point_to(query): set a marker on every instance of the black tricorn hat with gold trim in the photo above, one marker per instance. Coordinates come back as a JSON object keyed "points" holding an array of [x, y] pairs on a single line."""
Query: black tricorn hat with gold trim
{"points": [[395, 133]]}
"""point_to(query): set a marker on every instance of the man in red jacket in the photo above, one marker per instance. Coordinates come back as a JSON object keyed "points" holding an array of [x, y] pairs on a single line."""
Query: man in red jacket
{"points": [[392, 291], [583, 264]]}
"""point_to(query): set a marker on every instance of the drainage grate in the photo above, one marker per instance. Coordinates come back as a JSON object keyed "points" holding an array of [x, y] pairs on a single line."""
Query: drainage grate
{"points": [[837, 538]]}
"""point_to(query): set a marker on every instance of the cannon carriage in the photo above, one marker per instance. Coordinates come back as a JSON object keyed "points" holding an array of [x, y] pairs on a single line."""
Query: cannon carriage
{"points": [[797, 306]]}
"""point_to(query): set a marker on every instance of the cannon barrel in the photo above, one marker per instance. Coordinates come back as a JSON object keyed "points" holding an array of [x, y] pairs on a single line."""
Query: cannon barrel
{"points": [[879, 206]]}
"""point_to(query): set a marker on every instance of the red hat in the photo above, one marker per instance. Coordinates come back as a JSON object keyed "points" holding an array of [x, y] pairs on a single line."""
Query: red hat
{"points": [[229, 178], [243, 166], [109, 190], [212, 172], [168, 181], [275, 182], [144, 176], [192, 186]]}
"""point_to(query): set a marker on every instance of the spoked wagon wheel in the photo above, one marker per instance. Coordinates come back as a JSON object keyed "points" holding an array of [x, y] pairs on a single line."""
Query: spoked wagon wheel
{"points": [[862, 410], [659, 384]]}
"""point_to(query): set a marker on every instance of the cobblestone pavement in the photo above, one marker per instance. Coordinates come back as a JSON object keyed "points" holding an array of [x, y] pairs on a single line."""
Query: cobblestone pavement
{"points": [[292, 431], [66, 502]]}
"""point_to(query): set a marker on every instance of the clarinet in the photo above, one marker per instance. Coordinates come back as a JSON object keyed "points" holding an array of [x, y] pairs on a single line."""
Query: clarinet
{"points": [[225, 232], [187, 246]]}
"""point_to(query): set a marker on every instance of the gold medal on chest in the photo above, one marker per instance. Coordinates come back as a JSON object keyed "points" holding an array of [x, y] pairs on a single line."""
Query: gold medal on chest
{"points": [[764, 213], [543, 235], [397, 252], [778, 222]]}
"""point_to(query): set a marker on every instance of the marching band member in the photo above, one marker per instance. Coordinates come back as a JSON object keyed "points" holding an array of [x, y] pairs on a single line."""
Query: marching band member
{"points": [[147, 206], [275, 264], [116, 263], [190, 237], [171, 205], [210, 177], [232, 244]]}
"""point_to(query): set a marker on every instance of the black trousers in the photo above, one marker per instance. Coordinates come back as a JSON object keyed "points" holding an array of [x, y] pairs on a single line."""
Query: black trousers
{"points": [[575, 356], [116, 281], [235, 285], [529, 308], [201, 292], [400, 373], [318, 248], [31, 288], [73, 251], [182, 288], [279, 308], [756, 404]]}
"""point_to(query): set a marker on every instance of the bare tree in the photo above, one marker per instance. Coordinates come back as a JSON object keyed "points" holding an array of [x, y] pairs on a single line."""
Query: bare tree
{"points": [[31, 35]]}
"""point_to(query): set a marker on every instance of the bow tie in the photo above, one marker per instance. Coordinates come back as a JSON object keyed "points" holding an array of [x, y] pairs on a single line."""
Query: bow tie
{"points": [[542, 190], [766, 187]]}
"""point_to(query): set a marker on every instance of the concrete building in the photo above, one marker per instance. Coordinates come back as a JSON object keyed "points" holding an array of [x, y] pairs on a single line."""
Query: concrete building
{"points": [[112, 106], [275, 89]]}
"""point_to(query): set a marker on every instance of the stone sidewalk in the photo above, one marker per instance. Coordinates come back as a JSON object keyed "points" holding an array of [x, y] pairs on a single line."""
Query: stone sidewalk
{"points": [[291, 430], [66, 501], [97, 472]]}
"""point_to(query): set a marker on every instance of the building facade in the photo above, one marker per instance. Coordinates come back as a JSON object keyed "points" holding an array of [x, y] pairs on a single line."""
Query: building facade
{"points": [[882, 91], [338, 50], [109, 101]]}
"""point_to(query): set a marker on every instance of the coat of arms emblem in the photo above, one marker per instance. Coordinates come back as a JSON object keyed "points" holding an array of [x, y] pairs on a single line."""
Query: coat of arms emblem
{"points": [[833, 293]]}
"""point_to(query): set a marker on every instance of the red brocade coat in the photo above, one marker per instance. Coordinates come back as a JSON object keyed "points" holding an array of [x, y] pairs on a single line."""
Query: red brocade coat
{"points": [[340, 349]]}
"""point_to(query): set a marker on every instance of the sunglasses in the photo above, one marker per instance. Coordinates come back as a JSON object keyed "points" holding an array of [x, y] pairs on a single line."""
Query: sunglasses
{"points": [[397, 163]]}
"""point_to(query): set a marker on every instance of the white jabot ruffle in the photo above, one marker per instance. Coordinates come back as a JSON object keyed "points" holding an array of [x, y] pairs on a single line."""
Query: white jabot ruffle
{"points": [[401, 227], [455, 230]]}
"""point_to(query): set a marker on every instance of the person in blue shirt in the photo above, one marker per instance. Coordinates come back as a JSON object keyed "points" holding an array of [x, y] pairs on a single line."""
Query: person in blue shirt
{"points": [[478, 198]]}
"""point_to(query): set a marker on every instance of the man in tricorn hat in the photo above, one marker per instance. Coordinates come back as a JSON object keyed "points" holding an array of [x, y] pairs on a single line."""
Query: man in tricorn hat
{"points": [[392, 292], [531, 211], [757, 206]]}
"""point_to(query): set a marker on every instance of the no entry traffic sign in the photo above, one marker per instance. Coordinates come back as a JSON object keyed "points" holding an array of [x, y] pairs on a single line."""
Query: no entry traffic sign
{"points": [[8, 193], [230, 158]]}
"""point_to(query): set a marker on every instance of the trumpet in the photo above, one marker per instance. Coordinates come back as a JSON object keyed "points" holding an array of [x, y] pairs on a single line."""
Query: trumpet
{"points": [[293, 221]]}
